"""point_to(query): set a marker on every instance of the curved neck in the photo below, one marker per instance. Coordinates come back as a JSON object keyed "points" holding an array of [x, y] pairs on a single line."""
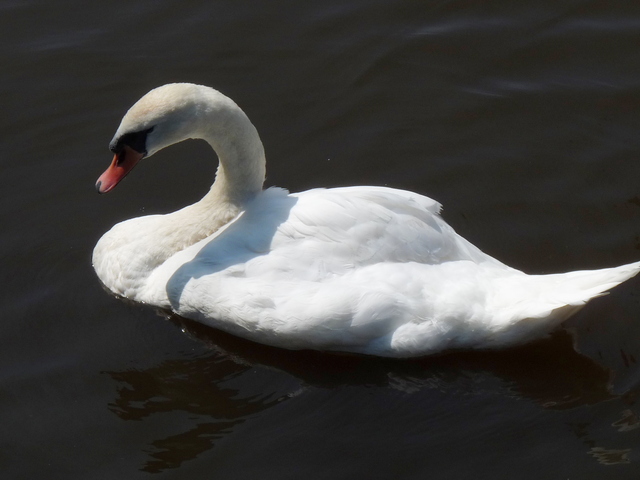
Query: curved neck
{"points": [[242, 164], [241, 170]]}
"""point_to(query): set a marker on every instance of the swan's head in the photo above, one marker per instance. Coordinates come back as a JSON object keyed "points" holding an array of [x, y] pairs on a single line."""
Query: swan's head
{"points": [[164, 116]]}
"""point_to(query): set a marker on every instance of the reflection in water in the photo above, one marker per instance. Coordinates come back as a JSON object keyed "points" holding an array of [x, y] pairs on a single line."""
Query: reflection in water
{"points": [[604, 456], [610, 456], [193, 386], [628, 422], [549, 373]]}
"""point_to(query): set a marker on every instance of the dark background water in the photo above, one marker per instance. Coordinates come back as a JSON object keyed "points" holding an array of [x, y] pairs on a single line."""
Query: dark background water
{"points": [[522, 118]]}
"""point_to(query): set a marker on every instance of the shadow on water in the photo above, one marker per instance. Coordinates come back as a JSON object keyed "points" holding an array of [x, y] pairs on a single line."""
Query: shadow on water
{"points": [[205, 389]]}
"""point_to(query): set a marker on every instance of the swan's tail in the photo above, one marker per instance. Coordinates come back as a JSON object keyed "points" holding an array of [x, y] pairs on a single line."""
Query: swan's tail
{"points": [[548, 300], [579, 287]]}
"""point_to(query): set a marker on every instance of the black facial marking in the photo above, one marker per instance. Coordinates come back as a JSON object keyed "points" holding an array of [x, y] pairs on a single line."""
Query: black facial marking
{"points": [[136, 140]]}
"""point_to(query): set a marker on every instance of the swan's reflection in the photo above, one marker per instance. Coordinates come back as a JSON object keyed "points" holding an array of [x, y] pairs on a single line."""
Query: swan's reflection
{"points": [[550, 372], [190, 386], [212, 394]]}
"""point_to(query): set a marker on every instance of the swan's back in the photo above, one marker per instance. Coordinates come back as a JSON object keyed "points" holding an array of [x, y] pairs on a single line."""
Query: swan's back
{"points": [[322, 233], [370, 225]]}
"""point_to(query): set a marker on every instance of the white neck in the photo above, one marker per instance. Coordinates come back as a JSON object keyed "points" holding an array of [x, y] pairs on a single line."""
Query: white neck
{"points": [[227, 129], [241, 170]]}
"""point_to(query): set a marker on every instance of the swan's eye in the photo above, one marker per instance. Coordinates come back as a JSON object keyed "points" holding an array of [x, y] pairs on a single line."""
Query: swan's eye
{"points": [[135, 140]]}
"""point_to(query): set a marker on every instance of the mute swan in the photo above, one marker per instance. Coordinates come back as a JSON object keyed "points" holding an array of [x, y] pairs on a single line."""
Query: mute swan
{"points": [[367, 270]]}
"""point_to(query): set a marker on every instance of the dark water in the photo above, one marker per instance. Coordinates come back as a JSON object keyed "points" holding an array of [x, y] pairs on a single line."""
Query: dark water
{"points": [[521, 117]]}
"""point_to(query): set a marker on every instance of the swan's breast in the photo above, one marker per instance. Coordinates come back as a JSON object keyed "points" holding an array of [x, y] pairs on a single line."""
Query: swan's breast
{"points": [[127, 254]]}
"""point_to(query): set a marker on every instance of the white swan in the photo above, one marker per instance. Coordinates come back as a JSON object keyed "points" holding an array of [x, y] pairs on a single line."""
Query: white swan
{"points": [[362, 269]]}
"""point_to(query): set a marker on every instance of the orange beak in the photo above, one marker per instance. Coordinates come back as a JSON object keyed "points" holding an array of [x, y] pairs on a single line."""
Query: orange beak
{"points": [[121, 165]]}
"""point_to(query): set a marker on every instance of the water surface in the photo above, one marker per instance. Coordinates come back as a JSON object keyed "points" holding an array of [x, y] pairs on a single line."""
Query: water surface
{"points": [[521, 118]]}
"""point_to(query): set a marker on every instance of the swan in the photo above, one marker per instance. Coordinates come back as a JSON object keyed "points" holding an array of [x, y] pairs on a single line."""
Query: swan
{"points": [[367, 270]]}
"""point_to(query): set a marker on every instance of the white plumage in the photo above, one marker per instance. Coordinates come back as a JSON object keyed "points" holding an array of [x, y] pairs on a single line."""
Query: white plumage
{"points": [[360, 269]]}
